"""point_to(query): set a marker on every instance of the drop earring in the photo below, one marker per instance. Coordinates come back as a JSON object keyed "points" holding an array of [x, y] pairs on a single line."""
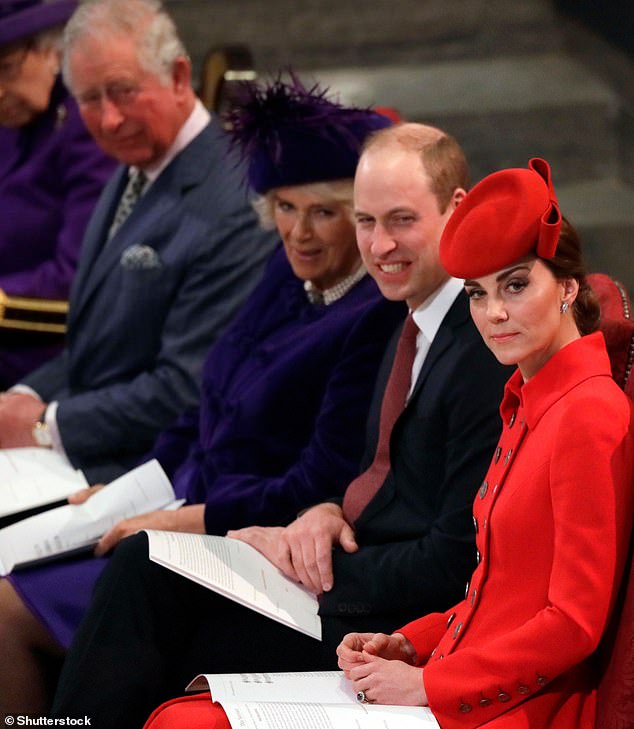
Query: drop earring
{"points": [[564, 307]]}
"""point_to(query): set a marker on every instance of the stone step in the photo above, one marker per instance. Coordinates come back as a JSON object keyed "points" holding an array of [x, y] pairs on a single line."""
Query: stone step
{"points": [[503, 110], [327, 33]]}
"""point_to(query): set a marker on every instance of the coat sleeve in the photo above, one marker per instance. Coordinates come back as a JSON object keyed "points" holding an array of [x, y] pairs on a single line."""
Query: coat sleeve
{"points": [[427, 568], [330, 459], [126, 416], [590, 479]]}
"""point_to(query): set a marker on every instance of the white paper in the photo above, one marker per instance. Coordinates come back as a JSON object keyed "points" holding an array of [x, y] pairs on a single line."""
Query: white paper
{"points": [[31, 477], [72, 527], [287, 715], [304, 700], [237, 571], [328, 686]]}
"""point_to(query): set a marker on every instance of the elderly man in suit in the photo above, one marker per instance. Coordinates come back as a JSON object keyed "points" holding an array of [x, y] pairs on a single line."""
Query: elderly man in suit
{"points": [[169, 254], [400, 544]]}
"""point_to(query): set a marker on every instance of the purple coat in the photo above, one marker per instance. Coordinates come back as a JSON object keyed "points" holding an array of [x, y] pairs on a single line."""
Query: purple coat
{"points": [[51, 174], [285, 396]]}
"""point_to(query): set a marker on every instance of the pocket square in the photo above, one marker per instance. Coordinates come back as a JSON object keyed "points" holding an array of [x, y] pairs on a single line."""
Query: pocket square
{"points": [[138, 257]]}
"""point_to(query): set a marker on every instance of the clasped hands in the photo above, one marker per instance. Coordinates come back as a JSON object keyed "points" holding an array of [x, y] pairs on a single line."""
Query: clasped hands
{"points": [[383, 668], [18, 414]]}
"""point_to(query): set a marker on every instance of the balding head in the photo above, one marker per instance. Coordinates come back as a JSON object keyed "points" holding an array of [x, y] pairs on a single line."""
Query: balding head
{"points": [[441, 156]]}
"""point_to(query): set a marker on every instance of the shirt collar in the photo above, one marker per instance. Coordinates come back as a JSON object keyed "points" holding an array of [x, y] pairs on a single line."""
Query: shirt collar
{"points": [[430, 314], [193, 126], [336, 292]]}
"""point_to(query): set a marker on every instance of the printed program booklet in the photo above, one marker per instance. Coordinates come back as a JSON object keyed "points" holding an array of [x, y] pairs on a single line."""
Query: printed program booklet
{"points": [[71, 528], [34, 477], [239, 572], [305, 700]]}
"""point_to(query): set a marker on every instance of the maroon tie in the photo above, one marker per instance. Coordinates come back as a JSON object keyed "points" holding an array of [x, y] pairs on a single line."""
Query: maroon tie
{"points": [[360, 491]]}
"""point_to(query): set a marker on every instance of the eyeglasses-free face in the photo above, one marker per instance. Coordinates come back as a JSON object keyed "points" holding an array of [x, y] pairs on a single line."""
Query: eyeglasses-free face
{"points": [[133, 114], [27, 74]]}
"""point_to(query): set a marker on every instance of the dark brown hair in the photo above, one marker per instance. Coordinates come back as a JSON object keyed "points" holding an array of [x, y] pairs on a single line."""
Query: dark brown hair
{"points": [[568, 263]]}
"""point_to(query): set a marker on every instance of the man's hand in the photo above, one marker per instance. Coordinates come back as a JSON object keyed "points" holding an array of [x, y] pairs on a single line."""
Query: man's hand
{"points": [[303, 550], [306, 546], [264, 539], [18, 414]]}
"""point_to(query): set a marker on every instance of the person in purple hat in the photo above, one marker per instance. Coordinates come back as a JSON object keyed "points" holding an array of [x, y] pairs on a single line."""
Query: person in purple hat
{"points": [[399, 541], [286, 389], [51, 174], [553, 516]]}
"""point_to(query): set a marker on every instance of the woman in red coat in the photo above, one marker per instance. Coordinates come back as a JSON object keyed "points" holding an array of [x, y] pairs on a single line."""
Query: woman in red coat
{"points": [[554, 513]]}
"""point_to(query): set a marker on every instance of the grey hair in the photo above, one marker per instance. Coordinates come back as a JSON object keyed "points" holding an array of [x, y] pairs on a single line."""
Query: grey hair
{"points": [[146, 21], [339, 191]]}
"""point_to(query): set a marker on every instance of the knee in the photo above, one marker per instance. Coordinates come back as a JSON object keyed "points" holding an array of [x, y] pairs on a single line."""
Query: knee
{"points": [[18, 625], [130, 555], [189, 712]]}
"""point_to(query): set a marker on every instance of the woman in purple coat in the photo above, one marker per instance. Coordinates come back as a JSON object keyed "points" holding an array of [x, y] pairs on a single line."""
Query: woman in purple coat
{"points": [[285, 390], [51, 173]]}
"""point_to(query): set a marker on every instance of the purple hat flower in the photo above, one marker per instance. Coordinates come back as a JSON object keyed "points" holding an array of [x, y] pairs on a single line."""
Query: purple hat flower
{"points": [[23, 18], [291, 135]]}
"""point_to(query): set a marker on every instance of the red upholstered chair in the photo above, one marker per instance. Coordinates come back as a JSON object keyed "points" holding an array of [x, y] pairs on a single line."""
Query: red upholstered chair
{"points": [[617, 326], [616, 654]]}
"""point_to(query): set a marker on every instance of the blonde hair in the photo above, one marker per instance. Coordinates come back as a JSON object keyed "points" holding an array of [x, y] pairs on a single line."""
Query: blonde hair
{"points": [[337, 191]]}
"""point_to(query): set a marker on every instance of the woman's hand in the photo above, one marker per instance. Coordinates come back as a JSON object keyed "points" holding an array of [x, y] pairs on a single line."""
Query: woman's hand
{"points": [[186, 519], [355, 647], [386, 681], [81, 496]]}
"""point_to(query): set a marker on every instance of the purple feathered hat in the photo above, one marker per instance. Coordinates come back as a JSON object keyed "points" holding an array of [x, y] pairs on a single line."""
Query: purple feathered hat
{"points": [[290, 135], [23, 18]]}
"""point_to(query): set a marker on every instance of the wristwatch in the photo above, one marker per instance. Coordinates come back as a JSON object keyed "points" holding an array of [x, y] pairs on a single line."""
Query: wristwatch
{"points": [[41, 432]]}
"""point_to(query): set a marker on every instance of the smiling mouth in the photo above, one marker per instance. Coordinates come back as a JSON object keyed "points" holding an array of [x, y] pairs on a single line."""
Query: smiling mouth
{"points": [[307, 254], [391, 267]]}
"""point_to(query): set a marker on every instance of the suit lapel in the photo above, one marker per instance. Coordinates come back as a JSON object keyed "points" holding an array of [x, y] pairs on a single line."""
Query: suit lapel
{"points": [[98, 259], [444, 339], [94, 239], [457, 314]]}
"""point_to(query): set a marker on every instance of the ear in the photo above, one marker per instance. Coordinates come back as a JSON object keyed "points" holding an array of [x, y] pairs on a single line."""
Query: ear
{"points": [[457, 197], [570, 288], [182, 75]]}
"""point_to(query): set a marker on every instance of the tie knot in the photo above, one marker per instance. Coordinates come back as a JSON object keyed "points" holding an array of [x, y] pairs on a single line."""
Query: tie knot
{"points": [[410, 328]]}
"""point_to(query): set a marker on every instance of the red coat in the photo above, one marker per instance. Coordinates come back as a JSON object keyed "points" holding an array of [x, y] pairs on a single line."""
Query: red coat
{"points": [[553, 518]]}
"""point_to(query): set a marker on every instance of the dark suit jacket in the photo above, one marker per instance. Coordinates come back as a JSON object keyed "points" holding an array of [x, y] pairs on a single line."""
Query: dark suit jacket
{"points": [[138, 331], [416, 536]]}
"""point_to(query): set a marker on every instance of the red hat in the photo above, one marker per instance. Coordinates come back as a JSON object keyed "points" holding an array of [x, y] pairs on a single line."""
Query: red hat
{"points": [[507, 215]]}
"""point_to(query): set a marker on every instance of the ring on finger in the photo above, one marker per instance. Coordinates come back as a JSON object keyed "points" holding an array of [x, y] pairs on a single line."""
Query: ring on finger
{"points": [[362, 698]]}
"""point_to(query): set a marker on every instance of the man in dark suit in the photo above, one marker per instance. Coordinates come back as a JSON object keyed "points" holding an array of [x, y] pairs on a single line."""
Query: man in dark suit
{"points": [[155, 288], [399, 545]]}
